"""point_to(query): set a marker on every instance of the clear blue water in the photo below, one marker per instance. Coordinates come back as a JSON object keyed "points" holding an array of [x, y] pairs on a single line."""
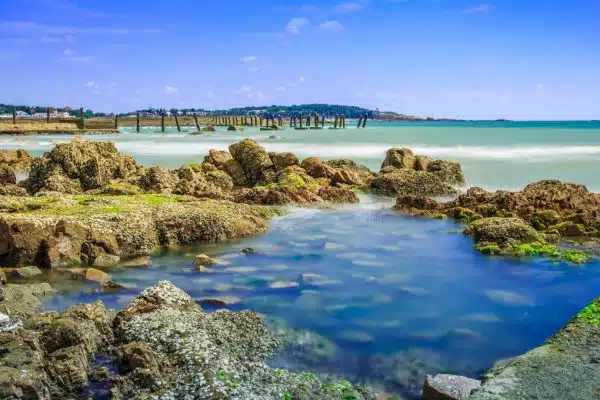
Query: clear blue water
{"points": [[397, 298]]}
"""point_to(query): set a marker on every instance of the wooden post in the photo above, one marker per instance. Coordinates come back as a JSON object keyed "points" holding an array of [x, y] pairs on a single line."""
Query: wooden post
{"points": [[344, 121], [300, 120], [316, 120], [359, 122], [137, 122], [196, 121], [48, 115], [162, 122], [308, 121], [280, 121], [335, 122], [82, 120], [177, 123], [323, 121], [364, 124], [14, 115], [116, 121]]}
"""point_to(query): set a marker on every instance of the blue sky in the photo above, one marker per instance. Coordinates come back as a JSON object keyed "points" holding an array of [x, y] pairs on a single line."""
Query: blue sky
{"points": [[518, 59]]}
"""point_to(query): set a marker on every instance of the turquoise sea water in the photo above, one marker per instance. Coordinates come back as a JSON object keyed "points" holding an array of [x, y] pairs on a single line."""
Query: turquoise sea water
{"points": [[390, 298]]}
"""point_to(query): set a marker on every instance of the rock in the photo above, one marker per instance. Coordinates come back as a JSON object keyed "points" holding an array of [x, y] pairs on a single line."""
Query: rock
{"points": [[449, 172], [337, 195], [2, 277], [224, 161], [283, 160], [254, 160], [158, 180], [12, 190], [248, 250], [448, 387], [363, 171], [162, 295], [346, 177], [7, 175], [121, 189], [7, 324], [399, 158], [24, 300], [87, 164], [421, 163], [504, 232], [138, 359], [410, 182], [411, 203], [26, 272], [202, 260], [220, 179], [69, 368], [95, 275], [54, 239], [235, 128], [106, 260], [17, 159], [317, 168]]}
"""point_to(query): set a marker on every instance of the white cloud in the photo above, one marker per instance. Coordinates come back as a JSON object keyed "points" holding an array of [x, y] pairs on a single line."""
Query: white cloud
{"points": [[82, 59], [68, 52], [344, 8], [280, 89], [248, 59], [210, 94], [540, 86], [244, 89], [171, 90], [295, 25], [91, 84], [296, 82], [479, 8], [332, 26]]}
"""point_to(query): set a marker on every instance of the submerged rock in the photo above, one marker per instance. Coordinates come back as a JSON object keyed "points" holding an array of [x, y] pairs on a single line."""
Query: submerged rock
{"points": [[410, 182], [448, 387], [7, 175]]}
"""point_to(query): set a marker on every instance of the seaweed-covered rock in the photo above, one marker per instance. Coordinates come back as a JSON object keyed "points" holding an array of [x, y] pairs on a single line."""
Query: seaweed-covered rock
{"points": [[363, 171], [24, 300], [410, 182], [337, 194], [7, 175], [63, 232], [503, 232], [448, 171], [12, 190], [91, 164], [158, 180], [421, 163], [346, 177], [283, 160], [254, 160], [317, 168], [220, 179], [224, 161], [399, 158], [16, 159]]}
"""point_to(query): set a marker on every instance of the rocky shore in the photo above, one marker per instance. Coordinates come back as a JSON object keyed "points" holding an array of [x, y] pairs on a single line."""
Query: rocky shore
{"points": [[162, 346]]}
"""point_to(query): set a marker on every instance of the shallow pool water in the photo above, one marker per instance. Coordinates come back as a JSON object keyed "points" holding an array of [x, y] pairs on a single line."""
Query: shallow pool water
{"points": [[373, 296]]}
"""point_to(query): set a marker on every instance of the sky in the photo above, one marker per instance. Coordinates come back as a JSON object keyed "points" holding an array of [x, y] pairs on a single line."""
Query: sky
{"points": [[515, 59]]}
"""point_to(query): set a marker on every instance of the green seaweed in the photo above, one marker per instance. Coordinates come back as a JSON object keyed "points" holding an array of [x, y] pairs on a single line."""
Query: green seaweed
{"points": [[591, 313], [549, 250], [489, 248], [194, 166]]}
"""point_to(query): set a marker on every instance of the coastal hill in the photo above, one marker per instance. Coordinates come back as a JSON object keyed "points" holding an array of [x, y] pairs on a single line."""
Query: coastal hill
{"points": [[327, 110]]}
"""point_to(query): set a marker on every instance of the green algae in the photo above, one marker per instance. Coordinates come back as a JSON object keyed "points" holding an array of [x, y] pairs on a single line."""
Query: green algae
{"points": [[488, 248], [194, 166], [591, 313], [551, 251]]}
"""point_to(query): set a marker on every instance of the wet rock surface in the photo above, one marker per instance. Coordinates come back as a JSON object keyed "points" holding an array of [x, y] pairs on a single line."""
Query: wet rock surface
{"points": [[448, 387]]}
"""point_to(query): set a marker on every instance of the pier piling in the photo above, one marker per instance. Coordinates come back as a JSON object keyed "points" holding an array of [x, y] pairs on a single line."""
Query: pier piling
{"points": [[14, 115], [48, 115], [177, 123], [116, 122], [197, 123], [82, 120], [137, 122], [364, 124]]}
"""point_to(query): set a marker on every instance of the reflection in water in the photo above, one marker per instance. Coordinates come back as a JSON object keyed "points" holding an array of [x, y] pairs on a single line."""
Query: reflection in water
{"points": [[373, 296]]}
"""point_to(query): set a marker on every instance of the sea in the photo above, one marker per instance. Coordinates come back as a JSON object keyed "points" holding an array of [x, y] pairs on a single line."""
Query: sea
{"points": [[362, 293]]}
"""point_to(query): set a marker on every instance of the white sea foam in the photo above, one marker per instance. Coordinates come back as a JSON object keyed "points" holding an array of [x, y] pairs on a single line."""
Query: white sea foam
{"points": [[368, 150]]}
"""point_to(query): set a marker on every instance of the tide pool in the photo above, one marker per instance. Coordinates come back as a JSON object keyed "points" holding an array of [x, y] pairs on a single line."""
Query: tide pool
{"points": [[375, 297]]}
